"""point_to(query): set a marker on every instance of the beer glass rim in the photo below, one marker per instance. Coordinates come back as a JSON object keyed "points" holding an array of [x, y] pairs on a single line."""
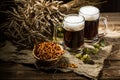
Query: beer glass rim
{"points": [[89, 14], [74, 15]]}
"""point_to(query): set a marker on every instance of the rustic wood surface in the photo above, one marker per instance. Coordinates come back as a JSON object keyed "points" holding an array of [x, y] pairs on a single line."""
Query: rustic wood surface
{"points": [[111, 70]]}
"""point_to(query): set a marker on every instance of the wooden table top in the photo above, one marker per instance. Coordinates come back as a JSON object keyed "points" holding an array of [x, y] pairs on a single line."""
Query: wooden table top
{"points": [[110, 71]]}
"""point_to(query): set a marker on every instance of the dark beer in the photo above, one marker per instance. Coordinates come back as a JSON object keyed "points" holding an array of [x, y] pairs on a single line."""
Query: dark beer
{"points": [[74, 39], [73, 26], [91, 15], [91, 29]]}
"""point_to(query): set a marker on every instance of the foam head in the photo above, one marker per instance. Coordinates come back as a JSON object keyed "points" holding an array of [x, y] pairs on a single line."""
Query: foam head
{"points": [[73, 22], [89, 12]]}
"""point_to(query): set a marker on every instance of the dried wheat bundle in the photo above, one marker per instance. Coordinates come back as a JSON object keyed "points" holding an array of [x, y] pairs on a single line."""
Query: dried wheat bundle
{"points": [[33, 21]]}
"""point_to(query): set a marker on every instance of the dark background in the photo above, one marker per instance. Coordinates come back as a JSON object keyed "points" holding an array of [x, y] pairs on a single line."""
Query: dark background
{"points": [[110, 6]]}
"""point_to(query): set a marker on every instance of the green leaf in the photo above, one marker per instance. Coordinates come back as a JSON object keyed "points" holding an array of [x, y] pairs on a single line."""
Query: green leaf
{"points": [[96, 46], [102, 43], [95, 51]]}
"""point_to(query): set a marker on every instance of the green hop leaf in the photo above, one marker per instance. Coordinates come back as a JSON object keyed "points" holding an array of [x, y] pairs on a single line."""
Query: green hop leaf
{"points": [[79, 55], [96, 46], [86, 51], [102, 43], [60, 29], [85, 57], [95, 51]]}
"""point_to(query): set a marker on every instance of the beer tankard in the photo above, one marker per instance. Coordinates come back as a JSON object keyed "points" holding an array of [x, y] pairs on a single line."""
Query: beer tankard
{"points": [[92, 32], [73, 31]]}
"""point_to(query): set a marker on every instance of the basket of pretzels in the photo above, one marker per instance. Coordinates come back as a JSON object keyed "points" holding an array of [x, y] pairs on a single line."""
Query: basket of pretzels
{"points": [[48, 53]]}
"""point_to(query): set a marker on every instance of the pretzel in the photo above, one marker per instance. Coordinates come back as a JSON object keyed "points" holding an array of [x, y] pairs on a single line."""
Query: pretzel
{"points": [[48, 50]]}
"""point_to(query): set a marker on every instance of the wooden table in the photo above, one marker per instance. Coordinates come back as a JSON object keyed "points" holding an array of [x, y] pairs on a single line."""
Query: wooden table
{"points": [[111, 70]]}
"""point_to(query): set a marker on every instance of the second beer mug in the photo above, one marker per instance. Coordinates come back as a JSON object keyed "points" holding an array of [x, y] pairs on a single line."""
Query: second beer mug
{"points": [[92, 20], [73, 26]]}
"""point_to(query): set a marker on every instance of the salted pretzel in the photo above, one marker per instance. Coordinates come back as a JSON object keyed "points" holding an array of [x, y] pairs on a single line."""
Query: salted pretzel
{"points": [[48, 50]]}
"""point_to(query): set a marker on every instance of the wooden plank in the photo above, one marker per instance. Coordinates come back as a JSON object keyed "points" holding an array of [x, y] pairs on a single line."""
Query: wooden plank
{"points": [[107, 74], [111, 14], [111, 68], [114, 63], [112, 17], [115, 56], [13, 66], [22, 72], [12, 71], [36, 75]]}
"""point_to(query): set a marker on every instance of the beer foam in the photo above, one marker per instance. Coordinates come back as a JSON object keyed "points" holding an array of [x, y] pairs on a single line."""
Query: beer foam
{"points": [[89, 12], [73, 23]]}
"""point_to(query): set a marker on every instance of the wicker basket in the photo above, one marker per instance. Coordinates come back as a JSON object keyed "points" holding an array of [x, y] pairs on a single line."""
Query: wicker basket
{"points": [[48, 62]]}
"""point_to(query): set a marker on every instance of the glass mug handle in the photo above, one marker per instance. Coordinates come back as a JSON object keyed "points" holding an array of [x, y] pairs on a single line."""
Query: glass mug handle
{"points": [[58, 33], [102, 31]]}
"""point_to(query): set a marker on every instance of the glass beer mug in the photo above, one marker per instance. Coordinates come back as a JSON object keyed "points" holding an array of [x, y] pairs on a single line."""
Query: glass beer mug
{"points": [[73, 27], [92, 30]]}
